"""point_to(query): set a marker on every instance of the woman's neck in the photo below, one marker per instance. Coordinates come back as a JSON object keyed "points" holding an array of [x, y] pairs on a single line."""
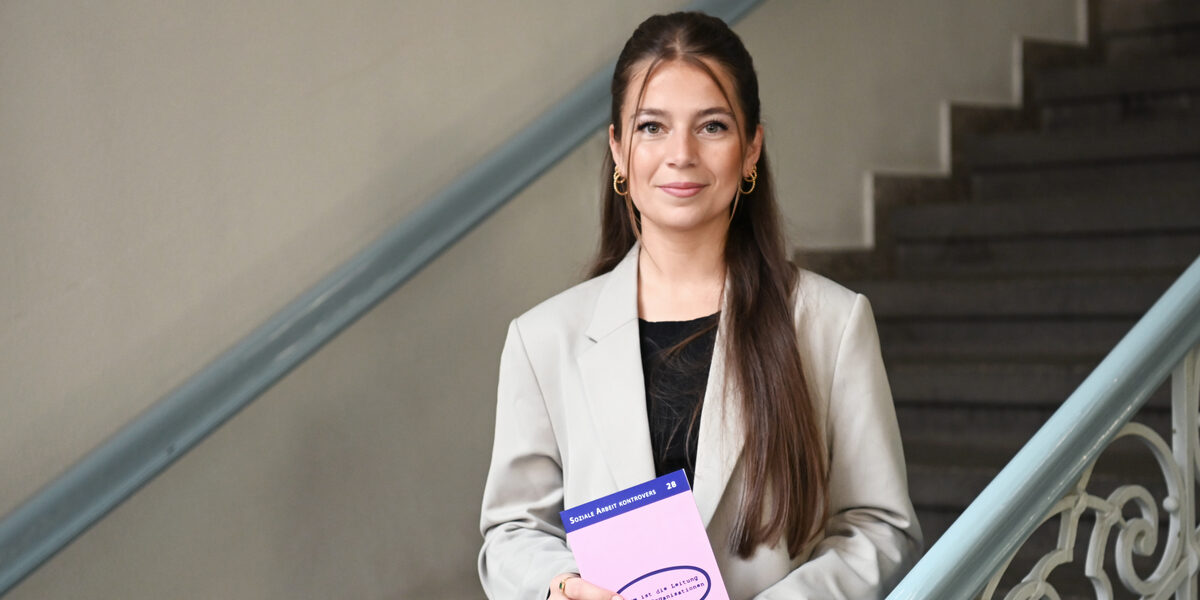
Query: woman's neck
{"points": [[680, 277]]}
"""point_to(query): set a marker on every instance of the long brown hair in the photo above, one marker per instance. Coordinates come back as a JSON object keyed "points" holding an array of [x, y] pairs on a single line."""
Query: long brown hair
{"points": [[784, 483]]}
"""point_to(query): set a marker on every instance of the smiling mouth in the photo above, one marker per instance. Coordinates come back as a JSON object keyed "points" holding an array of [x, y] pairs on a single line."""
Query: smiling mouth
{"points": [[682, 190]]}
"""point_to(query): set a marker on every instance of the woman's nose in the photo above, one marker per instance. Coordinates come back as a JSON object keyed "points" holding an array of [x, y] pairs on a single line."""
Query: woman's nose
{"points": [[682, 150]]}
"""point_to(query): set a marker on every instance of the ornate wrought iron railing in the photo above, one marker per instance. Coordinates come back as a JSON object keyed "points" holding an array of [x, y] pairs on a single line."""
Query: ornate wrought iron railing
{"points": [[1136, 534], [1048, 480]]}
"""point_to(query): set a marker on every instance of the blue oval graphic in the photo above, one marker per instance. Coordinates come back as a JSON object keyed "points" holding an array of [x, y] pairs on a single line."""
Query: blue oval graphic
{"points": [[677, 583]]}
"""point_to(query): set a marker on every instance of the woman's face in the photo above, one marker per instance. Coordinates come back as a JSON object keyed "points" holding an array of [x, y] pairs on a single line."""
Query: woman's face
{"points": [[682, 155]]}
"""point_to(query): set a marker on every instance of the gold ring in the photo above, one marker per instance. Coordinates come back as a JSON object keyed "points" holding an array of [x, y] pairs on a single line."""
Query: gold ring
{"points": [[562, 583]]}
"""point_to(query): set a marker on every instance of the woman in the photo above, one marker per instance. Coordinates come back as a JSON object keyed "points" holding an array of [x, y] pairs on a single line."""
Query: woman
{"points": [[696, 344]]}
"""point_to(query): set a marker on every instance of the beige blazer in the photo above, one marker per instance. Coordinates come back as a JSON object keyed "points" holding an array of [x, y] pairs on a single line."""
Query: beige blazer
{"points": [[571, 426]]}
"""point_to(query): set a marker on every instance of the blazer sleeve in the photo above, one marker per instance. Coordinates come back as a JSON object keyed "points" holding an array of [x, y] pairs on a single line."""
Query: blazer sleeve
{"points": [[872, 537], [523, 542]]}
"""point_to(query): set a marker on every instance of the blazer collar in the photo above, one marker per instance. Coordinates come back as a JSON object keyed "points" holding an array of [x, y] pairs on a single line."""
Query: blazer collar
{"points": [[617, 303], [616, 393]]}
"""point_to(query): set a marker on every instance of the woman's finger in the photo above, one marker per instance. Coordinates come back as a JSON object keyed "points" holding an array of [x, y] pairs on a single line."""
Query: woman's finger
{"points": [[577, 588]]}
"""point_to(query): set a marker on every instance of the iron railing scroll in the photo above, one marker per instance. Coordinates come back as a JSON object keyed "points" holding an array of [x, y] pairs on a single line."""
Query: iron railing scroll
{"points": [[1136, 535], [1048, 480]]}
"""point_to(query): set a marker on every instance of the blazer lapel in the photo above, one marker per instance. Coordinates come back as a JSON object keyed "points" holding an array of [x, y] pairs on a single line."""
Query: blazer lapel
{"points": [[722, 433], [612, 378]]}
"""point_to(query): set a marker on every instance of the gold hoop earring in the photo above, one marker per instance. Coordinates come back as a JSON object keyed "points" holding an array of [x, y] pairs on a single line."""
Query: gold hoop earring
{"points": [[617, 181], [752, 179]]}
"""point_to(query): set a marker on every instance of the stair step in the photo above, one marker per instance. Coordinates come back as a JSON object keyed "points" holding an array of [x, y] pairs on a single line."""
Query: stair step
{"points": [[1104, 112], [1131, 16], [1142, 45], [951, 489], [1159, 139], [1005, 384], [949, 477], [1093, 254], [1100, 81], [993, 384], [1177, 180], [1009, 339], [1029, 219], [1132, 30], [1067, 296], [1100, 96], [946, 487], [925, 422]]}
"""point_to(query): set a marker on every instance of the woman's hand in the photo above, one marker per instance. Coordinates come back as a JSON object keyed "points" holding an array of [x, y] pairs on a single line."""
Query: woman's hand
{"points": [[570, 586]]}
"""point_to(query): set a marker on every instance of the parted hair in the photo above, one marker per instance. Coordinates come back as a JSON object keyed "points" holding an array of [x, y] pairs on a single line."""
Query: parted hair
{"points": [[785, 478]]}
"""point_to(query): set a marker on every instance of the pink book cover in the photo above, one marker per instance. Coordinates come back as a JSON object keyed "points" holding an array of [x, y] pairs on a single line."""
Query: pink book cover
{"points": [[646, 542]]}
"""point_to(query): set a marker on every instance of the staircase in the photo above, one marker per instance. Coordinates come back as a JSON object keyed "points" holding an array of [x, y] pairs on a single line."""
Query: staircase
{"points": [[998, 288]]}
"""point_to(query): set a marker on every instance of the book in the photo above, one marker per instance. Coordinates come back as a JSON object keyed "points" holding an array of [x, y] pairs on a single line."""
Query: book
{"points": [[646, 542]]}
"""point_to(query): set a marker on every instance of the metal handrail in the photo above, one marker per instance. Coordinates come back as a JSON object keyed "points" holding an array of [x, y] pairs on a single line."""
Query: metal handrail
{"points": [[1012, 506], [70, 504]]}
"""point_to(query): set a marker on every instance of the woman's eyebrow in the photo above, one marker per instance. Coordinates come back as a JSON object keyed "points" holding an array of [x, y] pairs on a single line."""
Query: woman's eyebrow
{"points": [[657, 112], [651, 112]]}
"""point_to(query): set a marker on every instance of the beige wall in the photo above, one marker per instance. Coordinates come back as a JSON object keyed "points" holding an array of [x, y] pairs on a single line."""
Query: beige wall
{"points": [[171, 173]]}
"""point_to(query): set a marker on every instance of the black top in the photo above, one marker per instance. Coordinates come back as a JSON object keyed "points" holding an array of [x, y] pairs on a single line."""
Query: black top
{"points": [[676, 376]]}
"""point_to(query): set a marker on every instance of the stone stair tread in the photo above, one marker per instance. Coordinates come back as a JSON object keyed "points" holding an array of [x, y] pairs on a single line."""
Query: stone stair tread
{"points": [[935, 521], [1131, 17], [954, 487], [1099, 81], [1010, 384], [1031, 218], [994, 451], [924, 421], [1162, 42], [992, 383], [1168, 253], [974, 339], [1104, 111], [927, 422], [1177, 180], [1127, 295], [1155, 139]]}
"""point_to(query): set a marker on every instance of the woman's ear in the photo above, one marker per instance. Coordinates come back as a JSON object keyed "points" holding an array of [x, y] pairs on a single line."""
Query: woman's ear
{"points": [[753, 150], [614, 146]]}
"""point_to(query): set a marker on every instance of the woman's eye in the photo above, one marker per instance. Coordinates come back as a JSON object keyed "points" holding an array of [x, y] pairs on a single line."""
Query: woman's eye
{"points": [[650, 127], [714, 127]]}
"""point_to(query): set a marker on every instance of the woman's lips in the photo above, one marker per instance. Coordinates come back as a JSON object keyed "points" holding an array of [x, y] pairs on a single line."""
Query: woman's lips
{"points": [[682, 189]]}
